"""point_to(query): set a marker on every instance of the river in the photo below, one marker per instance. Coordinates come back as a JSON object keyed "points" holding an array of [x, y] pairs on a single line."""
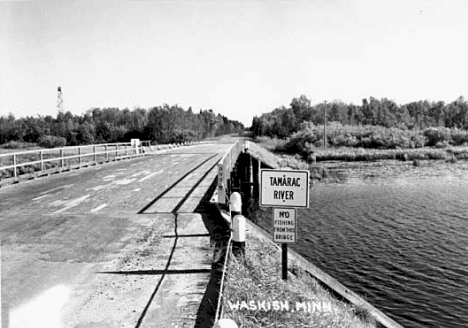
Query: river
{"points": [[397, 235]]}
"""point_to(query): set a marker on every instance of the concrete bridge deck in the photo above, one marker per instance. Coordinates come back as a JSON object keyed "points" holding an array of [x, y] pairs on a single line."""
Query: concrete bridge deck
{"points": [[114, 245]]}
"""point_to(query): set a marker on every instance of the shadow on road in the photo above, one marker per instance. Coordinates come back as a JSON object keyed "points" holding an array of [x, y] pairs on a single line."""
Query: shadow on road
{"points": [[179, 205], [219, 231], [156, 272]]}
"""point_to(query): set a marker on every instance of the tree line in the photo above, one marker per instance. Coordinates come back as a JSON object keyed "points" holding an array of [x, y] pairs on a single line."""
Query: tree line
{"points": [[283, 122], [162, 124]]}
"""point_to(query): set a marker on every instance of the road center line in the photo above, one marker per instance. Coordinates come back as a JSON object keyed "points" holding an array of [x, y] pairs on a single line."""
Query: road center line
{"points": [[150, 175], [57, 188], [40, 197], [72, 203], [100, 207]]}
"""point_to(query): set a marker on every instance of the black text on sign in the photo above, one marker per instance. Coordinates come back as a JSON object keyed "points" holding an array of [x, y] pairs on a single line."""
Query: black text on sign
{"points": [[284, 225], [284, 188]]}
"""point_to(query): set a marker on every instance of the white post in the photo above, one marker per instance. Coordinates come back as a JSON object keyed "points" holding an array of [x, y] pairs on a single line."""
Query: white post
{"points": [[94, 151], [41, 154], [236, 204], [221, 185], [238, 225], [238, 235], [14, 166]]}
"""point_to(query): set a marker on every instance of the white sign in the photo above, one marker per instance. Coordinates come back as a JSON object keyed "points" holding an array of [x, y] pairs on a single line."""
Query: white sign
{"points": [[135, 142], [284, 225], [284, 188]]}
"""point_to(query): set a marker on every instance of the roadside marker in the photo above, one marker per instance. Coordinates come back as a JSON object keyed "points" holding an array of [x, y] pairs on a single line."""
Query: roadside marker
{"points": [[284, 190]]}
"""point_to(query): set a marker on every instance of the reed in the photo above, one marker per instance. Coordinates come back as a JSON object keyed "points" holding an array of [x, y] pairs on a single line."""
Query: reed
{"points": [[311, 154]]}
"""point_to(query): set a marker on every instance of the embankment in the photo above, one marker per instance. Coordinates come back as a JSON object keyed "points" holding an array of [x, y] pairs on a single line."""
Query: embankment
{"points": [[256, 296]]}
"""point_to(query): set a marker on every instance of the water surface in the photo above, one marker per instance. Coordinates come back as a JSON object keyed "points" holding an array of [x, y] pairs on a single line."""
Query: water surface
{"points": [[399, 238]]}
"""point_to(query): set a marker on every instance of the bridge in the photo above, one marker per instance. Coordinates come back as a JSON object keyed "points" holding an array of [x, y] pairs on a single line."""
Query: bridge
{"points": [[127, 243], [123, 244]]}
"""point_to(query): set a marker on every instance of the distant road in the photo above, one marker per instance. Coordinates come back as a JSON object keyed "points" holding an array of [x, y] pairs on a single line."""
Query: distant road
{"points": [[59, 232]]}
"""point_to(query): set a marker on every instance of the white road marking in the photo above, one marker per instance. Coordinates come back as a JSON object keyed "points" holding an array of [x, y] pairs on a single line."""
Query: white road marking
{"points": [[124, 181], [57, 188], [140, 173], [97, 188], [72, 203], [110, 184], [40, 197], [150, 175], [109, 176], [137, 189], [100, 207]]}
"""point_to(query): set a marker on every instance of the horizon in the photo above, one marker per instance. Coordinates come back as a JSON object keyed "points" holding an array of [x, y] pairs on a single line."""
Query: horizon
{"points": [[241, 59]]}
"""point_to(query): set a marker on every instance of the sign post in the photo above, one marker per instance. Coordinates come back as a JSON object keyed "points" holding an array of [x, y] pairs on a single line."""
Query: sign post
{"points": [[284, 232], [284, 190]]}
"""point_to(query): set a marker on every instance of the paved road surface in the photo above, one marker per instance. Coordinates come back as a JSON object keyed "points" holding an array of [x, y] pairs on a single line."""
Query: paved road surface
{"points": [[88, 248]]}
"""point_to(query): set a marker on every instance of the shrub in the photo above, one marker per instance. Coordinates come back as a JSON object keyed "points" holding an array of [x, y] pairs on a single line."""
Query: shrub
{"points": [[459, 137], [52, 141], [18, 145], [435, 136], [180, 136]]}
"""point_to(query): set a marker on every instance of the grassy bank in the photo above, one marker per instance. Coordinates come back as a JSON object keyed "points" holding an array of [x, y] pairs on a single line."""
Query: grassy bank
{"points": [[256, 296]]}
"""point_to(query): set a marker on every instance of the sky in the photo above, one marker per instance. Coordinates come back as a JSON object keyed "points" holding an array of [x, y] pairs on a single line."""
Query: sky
{"points": [[239, 58]]}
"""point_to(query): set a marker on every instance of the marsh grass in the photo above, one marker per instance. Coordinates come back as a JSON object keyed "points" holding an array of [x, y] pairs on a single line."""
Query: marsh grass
{"points": [[15, 146], [258, 279], [361, 154], [352, 154], [277, 160]]}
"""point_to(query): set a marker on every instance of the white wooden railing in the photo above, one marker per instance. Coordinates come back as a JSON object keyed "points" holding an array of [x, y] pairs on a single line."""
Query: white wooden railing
{"points": [[37, 160], [225, 167], [13, 165]]}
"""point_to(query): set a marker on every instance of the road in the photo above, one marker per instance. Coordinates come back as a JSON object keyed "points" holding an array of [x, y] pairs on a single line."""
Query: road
{"points": [[90, 247]]}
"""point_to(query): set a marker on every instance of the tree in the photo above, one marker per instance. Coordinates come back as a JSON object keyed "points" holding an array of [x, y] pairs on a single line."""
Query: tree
{"points": [[367, 114], [300, 107], [436, 111]]}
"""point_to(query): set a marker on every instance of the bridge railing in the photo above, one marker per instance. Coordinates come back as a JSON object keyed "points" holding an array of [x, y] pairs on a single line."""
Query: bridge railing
{"points": [[225, 167], [18, 163]]}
